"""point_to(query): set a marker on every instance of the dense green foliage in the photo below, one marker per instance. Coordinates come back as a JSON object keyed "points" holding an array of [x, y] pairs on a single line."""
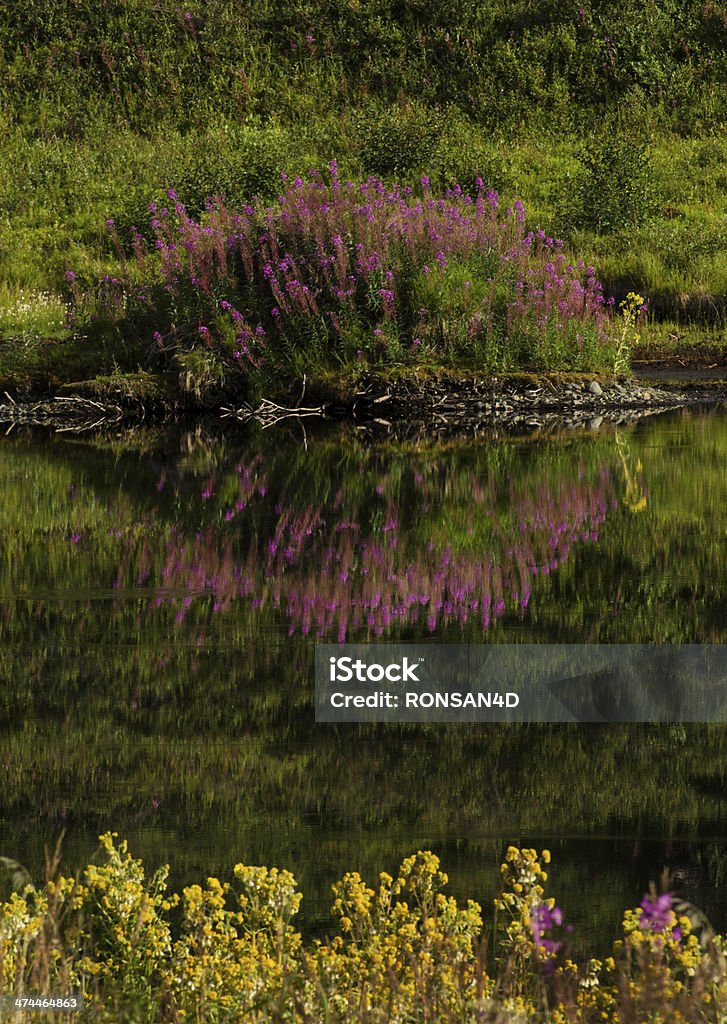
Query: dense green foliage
{"points": [[604, 119], [67, 65]]}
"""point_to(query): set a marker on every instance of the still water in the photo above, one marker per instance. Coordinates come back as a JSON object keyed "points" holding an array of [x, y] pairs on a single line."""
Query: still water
{"points": [[160, 599]]}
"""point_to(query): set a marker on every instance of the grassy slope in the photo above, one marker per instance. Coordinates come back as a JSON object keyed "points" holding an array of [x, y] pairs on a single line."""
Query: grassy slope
{"points": [[606, 120]]}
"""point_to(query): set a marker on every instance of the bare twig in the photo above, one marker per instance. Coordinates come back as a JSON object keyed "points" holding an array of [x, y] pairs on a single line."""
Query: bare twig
{"points": [[269, 412]]}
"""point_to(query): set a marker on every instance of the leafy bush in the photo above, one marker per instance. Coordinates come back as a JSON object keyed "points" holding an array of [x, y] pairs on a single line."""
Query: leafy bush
{"points": [[616, 189], [396, 139]]}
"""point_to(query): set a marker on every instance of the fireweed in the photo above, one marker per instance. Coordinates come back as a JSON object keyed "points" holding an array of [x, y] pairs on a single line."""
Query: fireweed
{"points": [[338, 273], [401, 950]]}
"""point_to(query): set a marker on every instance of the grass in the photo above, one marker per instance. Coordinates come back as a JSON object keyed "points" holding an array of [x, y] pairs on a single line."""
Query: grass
{"points": [[612, 138], [28, 317]]}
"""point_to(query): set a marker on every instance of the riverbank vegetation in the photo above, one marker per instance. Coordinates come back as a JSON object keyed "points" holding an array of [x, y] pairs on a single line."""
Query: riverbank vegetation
{"points": [[398, 951], [606, 125]]}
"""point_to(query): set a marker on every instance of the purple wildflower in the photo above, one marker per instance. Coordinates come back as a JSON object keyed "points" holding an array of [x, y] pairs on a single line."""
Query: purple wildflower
{"points": [[543, 919], [657, 915]]}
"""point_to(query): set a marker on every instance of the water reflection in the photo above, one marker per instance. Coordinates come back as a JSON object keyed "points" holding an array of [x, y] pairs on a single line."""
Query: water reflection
{"points": [[160, 599], [381, 554]]}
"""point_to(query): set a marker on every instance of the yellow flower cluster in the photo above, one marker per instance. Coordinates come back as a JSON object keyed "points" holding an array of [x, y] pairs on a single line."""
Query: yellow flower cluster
{"points": [[631, 311], [404, 951], [128, 935], [406, 929]]}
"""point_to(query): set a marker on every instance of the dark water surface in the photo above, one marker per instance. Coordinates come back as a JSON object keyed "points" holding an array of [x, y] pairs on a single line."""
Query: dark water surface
{"points": [[160, 598]]}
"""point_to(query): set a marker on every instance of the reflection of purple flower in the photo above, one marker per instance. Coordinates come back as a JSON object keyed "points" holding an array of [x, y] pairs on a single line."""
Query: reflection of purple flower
{"points": [[75, 537]]}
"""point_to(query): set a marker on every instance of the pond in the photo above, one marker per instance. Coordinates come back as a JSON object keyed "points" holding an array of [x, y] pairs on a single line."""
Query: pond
{"points": [[161, 594]]}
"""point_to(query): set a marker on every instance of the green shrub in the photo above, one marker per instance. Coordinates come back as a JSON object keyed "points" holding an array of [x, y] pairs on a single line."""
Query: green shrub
{"points": [[465, 152], [616, 188], [396, 139]]}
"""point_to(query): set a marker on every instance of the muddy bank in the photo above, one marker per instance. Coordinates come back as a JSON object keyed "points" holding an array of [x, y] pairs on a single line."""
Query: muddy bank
{"points": [[529, 402]]}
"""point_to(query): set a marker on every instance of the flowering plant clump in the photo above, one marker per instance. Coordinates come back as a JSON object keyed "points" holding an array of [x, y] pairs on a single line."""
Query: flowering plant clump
{"points": [[655, 926], [662, 959], [230, 960], [526, 937], [409, 929], [632, 309], [338, 271], [403, 951]]}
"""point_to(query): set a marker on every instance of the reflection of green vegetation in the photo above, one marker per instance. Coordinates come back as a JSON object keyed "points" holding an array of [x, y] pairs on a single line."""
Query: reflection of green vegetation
{"points": [[199, 736]]}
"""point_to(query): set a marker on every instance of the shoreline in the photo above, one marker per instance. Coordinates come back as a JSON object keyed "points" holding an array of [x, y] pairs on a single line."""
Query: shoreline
{"points": [[442, 400]]}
